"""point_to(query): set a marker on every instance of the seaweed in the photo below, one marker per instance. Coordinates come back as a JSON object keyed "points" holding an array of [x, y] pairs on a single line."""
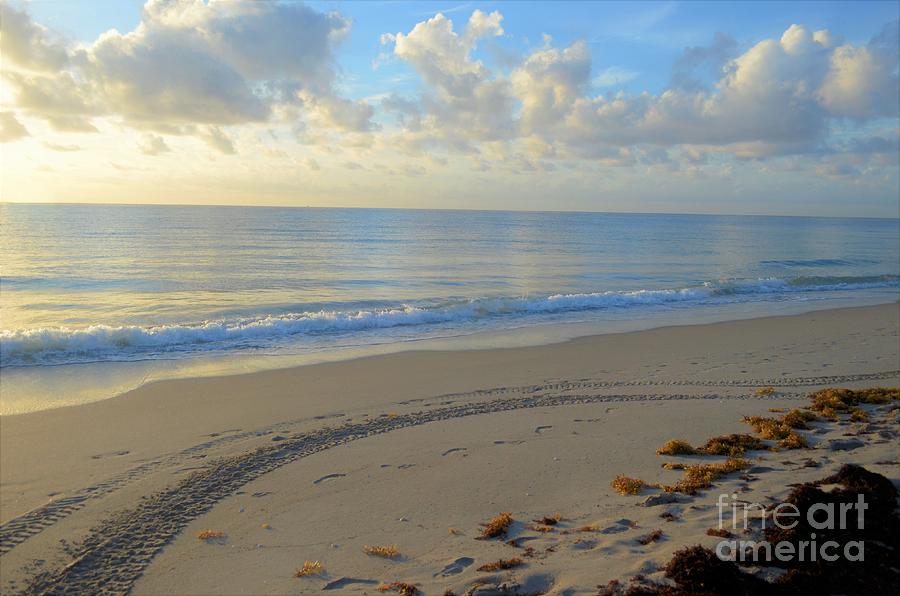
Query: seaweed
{"points": [[310, 568], [627, 486], [402, 588], [768, 428], [210, 535], [702, 476], [676, 447], [496, 527], [385, 552], [794, 441], [733, 445], [502, 564]]}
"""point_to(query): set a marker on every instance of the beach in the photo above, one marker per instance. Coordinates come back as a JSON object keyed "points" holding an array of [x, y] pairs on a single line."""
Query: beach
{"points": [[314, 463], [492, 299]]}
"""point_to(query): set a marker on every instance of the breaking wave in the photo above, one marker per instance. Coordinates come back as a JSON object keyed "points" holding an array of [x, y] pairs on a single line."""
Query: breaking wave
{"points": [[58, 345]]}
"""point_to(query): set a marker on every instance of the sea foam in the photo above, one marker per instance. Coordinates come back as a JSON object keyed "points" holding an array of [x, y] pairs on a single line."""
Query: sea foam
{"points": [[58, 345]]}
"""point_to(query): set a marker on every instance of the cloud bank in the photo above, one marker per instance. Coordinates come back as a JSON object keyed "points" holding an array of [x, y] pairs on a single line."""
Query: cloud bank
{"points": [[234, 76], [778, 97], [188, 68]]}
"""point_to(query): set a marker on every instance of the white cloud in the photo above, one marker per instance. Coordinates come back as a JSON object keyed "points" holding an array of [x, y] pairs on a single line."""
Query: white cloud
{"points": [[60, 147], [778, 97], [464, 103], [549, 83], [10, 128], [863, 82], [613, 76], [152, 144], [186, 64], [225, 72], [28, 44], [441, 56], [218, 140], [58, 98]]}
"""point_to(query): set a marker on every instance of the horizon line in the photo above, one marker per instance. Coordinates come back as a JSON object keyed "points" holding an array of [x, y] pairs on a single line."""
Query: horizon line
{"points": [[463, 209]]}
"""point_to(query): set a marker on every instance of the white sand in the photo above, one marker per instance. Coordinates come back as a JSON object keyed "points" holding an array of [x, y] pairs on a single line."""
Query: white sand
{"points": [[602, 406]]}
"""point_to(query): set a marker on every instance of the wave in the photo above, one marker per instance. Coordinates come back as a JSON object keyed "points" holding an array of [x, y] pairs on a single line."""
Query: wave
{"points": [[795, 263], [104, 342]]}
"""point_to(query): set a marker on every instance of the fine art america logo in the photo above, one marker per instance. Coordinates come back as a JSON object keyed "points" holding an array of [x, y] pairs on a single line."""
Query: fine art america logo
{"points": [[824, 517]]}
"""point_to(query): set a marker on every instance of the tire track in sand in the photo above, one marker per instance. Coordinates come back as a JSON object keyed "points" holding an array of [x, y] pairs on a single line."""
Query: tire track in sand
{"points": [[116, 551], [23, 527]]}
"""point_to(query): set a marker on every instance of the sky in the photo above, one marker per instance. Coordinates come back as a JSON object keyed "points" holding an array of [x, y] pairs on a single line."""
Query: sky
{"points": [[687, 107]]}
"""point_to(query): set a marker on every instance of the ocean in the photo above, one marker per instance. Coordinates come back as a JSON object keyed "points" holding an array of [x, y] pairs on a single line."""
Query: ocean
{"points": [[97, 299]]}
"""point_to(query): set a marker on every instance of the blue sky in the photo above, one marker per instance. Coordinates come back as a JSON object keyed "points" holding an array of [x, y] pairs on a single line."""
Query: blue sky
{"points": [[693, 106], [644, 38]]}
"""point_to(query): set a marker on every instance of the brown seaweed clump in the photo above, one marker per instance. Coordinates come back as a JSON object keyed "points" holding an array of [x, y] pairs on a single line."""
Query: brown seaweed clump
{"points": [[698, 571], [783, 429], [402, 588], [676, 447], [702, 476], [732, 445], [794, 440], [831, 402], [798, 419], [502, 564], [211, 535], [496, 527], [879, 535], [385, 552], [310, 568], [627, 486], [768, 428]]}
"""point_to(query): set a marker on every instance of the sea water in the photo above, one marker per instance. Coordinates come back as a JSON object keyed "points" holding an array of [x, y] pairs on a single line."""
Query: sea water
{"points": [[97, 299]]}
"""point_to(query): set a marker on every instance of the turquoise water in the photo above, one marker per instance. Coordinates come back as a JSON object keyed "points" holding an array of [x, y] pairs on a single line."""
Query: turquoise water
{"points": [[85, 284]]}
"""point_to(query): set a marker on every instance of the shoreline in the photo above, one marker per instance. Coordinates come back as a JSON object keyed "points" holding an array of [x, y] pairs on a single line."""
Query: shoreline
{"points": [[529, 336], [409, 434]]}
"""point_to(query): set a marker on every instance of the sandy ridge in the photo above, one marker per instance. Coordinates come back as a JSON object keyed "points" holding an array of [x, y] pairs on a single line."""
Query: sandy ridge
{"points": [[115, 553]]}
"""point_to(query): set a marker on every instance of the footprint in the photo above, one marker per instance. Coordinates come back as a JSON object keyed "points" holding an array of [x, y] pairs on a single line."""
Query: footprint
{"points": [[110, 454], [328, 477], [405, 466], [508, 442], [623, 525], [348, 581], [457, 566], [454, 450], [541, 429], [227, 430], [327, 416]]}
